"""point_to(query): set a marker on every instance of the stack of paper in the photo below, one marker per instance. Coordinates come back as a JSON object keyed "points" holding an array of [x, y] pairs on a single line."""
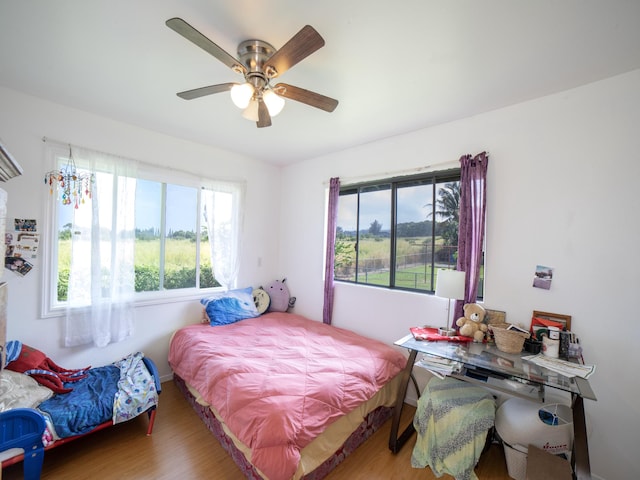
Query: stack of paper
{"points": [[568, 369], [439, 366]]}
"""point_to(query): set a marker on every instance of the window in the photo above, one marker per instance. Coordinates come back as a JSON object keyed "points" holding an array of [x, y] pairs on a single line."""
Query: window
{"points": [[171, 217], [167, 247], [396, 233]]}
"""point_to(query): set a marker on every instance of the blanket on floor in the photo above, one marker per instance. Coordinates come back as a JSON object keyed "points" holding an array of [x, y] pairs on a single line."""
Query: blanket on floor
{"points": [[452, 420]]}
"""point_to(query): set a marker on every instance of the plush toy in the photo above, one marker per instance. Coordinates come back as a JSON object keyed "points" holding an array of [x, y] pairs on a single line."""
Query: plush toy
{"points": [[22, 358], [278, 292], [261, 299], [471, 325]]}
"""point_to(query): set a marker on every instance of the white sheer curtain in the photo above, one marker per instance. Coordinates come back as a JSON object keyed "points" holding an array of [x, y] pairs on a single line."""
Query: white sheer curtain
{"points": [[102, 279], [223, 216]]}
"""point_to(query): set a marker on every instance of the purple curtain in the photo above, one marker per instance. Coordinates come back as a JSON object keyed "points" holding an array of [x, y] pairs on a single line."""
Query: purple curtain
{"points": [[473, 205], [334, 193]]}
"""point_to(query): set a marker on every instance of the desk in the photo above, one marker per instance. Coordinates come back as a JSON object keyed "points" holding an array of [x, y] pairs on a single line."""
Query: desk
{"points": [[509, 372]]}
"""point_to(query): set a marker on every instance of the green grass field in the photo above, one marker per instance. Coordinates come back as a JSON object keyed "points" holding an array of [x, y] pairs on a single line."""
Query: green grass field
{"points": [[178, 253], [180, 263], [413, 268], [181, 255]]}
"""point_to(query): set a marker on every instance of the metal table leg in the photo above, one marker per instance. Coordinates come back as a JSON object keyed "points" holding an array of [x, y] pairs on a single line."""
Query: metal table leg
{"points": [[395, 442], [580, 457]]}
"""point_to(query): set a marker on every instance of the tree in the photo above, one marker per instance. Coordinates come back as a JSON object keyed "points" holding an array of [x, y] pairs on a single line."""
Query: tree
{"points": [[375, 228], [65, 233], [448, 209], [414, 229], [344, 255], [448, 202]]}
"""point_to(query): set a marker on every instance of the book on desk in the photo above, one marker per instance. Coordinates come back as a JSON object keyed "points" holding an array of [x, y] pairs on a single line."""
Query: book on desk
{"points": [[431, 334]]}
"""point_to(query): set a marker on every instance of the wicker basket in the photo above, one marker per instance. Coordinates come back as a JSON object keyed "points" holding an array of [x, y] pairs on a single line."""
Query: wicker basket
{"points": [[508, 341]]}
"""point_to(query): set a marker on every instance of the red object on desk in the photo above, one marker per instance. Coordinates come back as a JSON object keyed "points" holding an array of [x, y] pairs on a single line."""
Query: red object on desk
{"points": [[427, 333]]}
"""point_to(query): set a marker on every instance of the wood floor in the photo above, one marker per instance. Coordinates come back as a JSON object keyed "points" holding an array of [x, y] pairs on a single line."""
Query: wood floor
{"points": [[181, 447]]}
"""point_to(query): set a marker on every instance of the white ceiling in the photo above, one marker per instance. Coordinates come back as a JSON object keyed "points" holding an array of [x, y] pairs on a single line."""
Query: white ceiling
{"points": [[394, 66]]}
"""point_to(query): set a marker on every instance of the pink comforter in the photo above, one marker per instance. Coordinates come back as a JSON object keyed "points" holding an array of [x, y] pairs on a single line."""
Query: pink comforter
{"points": [[279, 380]]}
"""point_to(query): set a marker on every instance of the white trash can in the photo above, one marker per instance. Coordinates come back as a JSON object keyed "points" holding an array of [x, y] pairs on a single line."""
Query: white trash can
{"points": [[521, 422]]}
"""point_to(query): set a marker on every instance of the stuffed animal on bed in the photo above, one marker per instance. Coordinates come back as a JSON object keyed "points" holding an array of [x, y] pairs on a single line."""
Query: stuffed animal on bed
{"points": [[281, 300], [30, 361]]}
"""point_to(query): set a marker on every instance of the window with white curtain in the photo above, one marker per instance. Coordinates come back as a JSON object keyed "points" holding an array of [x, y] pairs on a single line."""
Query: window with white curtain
{"points": [[146, 234]]}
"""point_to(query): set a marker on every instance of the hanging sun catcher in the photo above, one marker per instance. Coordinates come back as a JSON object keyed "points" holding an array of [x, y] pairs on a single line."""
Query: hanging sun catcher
{"points": [[74, 186]]}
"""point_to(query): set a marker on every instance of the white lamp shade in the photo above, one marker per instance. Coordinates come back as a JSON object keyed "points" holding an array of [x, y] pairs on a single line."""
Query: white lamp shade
{"points": [[241, 94], [251, 112], [274, 102], [450, 284]]}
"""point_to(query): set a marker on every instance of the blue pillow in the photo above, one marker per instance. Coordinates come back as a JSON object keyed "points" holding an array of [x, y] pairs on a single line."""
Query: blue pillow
{"points": [[230, 307]]}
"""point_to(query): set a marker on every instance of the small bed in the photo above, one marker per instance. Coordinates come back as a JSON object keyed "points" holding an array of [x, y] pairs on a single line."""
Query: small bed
{"points": [[286, 396], [108, 395]]}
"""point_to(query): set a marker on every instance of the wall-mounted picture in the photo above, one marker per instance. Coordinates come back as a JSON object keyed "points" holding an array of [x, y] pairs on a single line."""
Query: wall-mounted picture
{"points": [[26, 245], [25, 225], [543, 277], [17, 265]]}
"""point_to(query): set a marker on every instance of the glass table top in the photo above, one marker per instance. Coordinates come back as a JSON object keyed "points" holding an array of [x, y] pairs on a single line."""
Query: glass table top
{"points": [[486, 359]]}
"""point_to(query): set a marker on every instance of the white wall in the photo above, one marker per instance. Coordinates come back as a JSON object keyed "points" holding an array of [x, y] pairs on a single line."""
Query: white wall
{"points": [[24, 121], [562, 192]]}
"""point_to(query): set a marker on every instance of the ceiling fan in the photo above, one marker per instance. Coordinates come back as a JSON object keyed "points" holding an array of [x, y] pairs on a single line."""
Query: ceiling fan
{"points": [[259, 63]]}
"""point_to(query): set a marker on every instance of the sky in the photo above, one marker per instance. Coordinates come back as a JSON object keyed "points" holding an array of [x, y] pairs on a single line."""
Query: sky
{"points": [[413, 206], [181, 203], [181, 211]]}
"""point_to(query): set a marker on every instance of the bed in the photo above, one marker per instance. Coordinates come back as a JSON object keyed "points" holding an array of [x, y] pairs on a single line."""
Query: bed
{"points": [[108, 395], [288, 397]]}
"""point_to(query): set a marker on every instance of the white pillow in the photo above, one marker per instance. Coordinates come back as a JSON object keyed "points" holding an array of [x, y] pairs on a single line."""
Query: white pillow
{"points": [[18, 390]]}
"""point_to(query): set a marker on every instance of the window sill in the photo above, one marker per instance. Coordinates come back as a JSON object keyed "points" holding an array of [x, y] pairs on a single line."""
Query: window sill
{"points": [[147, 299]]}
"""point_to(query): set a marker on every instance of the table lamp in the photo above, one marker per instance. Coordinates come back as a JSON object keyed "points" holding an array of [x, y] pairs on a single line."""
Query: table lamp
{"points": [[450, 285]]}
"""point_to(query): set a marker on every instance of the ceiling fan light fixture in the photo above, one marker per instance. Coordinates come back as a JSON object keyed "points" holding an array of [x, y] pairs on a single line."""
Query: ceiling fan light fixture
{"points": [[241, 94], [274, 102], [259, 62], [251, 112]]}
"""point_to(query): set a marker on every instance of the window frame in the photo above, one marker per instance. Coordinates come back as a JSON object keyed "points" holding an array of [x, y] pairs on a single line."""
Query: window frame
{"points": [[395, 183], [50, 307]]}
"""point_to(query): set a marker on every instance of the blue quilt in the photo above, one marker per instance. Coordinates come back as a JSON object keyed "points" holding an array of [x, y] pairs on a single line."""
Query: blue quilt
{"points": [[90, 403]]}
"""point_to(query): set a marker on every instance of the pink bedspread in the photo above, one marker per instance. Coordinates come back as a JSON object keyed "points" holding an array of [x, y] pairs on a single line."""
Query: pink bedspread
{"points": [[279, 380]]}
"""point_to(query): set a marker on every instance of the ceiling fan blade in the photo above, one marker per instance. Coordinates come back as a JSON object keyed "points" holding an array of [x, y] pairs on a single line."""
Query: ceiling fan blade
{"points": [[264, 119], [202, 91], [300, 46], [313, 99], [187, 31]]}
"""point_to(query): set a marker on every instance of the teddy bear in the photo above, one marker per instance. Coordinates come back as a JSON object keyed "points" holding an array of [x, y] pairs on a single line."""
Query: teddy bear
{"points": [[471, 325]]}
